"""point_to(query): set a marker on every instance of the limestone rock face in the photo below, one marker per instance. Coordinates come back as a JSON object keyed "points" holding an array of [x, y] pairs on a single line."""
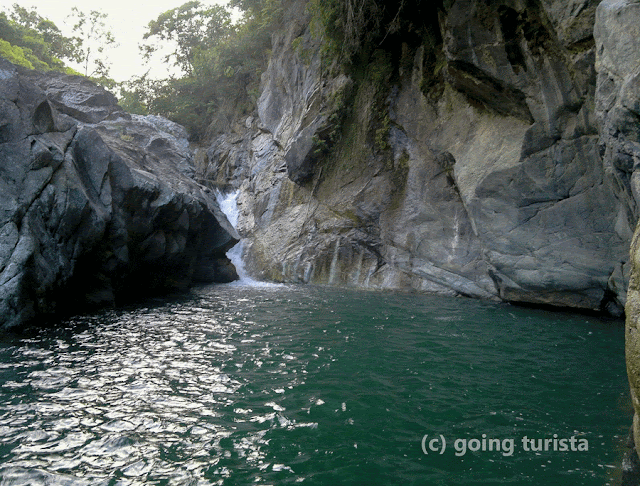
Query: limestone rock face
{"points": [[471, 164], [96, 206]]}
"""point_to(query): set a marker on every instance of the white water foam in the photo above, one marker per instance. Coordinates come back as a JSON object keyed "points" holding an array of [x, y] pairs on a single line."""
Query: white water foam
{"points": [[229, 205]]}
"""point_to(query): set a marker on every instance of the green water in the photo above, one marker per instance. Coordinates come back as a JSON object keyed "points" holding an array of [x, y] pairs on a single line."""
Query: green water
{"points": [[293, 384]]}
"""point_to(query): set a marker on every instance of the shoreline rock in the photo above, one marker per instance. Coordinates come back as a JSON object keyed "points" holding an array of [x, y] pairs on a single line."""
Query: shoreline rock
{"points": [[97, 206]]}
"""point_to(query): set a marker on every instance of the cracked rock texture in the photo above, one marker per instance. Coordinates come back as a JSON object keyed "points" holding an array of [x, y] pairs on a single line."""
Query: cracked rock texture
{"points": [[492, 160], [618, 109], [96, 206]]}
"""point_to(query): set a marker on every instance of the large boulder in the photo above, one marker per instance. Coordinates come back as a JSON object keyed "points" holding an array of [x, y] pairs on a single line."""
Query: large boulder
{"points": [[96, 206]]}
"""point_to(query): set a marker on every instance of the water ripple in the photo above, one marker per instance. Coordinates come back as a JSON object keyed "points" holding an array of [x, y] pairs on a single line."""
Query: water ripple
{"points": [[281, 385]]}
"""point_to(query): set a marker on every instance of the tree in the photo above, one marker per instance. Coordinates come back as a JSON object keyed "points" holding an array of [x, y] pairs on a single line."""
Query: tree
{"points": [[92, 40], [33, 41], [58, 45], [138, 93], [193, 27], [221, 64]]}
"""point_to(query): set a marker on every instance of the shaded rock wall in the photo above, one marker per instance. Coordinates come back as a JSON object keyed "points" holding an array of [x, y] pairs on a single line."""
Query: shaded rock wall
{"points": [[96, 206], [618, 35], [470, 161]]}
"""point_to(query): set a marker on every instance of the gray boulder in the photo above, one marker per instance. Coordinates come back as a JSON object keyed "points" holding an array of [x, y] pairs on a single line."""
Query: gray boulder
{"points": [[96, 206]]}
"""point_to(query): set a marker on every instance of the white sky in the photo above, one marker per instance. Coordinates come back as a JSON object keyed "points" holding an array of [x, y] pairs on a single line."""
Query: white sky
{"points": [[127, 19]]}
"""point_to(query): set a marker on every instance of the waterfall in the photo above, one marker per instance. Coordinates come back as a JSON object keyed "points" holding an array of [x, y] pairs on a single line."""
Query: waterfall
{"points": [[229, 205], [334, 263], [455, 243], [456, 236]]}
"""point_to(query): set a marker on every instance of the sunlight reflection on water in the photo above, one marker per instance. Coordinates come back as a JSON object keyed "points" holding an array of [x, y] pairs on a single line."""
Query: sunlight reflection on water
{"points": [[289, 384]]}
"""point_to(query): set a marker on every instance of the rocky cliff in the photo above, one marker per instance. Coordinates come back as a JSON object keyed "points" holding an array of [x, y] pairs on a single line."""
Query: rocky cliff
{"points": [[618, 34], [476, 152], [97, 206]]}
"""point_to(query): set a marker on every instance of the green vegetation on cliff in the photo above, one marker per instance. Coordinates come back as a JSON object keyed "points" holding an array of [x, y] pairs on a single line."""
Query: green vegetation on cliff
{"points": [[353, 29], [31, 41], [34, 42], [221, 64], [375, 44]]}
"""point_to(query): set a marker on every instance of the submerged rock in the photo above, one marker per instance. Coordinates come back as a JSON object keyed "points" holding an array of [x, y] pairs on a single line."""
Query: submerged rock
{"points": [[96, 206]]}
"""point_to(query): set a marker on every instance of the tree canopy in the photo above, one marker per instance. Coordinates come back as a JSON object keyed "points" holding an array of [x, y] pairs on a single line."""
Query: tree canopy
{"points": [[29, 40], [93, 38], [193, 27], [221, 62]]}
